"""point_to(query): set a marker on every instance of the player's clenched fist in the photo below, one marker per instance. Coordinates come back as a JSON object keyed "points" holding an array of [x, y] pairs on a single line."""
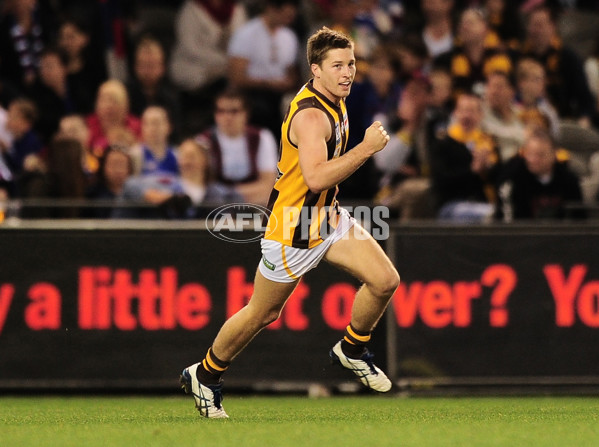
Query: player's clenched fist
{"points": [[376, 137]]}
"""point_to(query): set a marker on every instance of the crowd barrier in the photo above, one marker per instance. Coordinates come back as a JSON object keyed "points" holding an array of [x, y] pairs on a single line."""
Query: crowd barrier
{"points": [[127, 305]]}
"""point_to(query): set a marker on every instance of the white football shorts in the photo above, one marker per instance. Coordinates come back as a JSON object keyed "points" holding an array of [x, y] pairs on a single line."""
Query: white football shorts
{"points": [[282, 263]]}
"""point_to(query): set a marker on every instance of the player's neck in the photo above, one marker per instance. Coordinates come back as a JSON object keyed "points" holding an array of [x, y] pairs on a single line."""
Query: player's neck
{"points": [[324, 92]]}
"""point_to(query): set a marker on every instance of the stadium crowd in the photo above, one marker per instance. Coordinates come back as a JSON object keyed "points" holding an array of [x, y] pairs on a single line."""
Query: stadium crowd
{"points": [[177, 105]]}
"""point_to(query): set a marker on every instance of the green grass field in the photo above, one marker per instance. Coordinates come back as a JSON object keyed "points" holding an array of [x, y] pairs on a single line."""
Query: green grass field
{"points": [[299, 421]]}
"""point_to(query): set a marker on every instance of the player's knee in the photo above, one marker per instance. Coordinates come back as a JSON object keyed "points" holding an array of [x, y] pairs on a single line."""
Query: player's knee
{"points": [[386, 284]]}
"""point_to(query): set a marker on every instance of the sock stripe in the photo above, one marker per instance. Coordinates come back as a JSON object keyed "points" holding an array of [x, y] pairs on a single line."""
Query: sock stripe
{"points": [[212, 363], [352, 337], [347, 339]]}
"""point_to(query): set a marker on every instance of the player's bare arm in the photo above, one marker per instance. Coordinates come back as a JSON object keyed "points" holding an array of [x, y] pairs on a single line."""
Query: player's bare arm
{"points": [[311, 130]]}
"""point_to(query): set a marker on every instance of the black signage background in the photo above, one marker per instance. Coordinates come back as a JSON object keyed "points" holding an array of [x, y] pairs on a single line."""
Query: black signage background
{"points": [[544, 280], [49, 263], [456, 313]]}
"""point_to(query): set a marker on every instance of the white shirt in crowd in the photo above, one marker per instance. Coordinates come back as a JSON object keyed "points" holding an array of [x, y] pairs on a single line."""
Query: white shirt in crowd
{"points": [[235, 155], [269, 55]]}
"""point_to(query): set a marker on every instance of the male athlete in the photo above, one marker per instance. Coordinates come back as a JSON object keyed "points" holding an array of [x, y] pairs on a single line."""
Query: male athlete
{"points": [[307, 225]]}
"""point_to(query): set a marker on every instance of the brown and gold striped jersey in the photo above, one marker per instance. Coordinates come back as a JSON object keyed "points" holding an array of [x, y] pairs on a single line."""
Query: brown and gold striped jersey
{"points": [[299, 217]]}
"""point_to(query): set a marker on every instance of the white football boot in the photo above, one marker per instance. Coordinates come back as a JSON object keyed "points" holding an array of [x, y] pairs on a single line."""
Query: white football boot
{"points": [[207, 398], [368, 373]]}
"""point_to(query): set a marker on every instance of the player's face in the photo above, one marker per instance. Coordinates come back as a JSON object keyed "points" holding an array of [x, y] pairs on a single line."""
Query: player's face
{"points": [[334, 76]]}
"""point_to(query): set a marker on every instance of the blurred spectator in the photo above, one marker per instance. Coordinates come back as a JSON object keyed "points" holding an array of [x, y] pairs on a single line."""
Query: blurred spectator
{"points": [[342, 18], [437, 115], [567, 85], [203, 28], [63, 179], [527, 5], [116, 17], [111, 123], [116, 167], [245, 157], [377, 94], [5, 135], [405, 185], [371, 25], [534, 185], [51, 93], [22, 114], [75, 127], [86, 69], [199, 61], [6, 177], [149, 86], [532, 96], [413, 57], [181, 196], [437, 32], [263, 56], [504, 20], [501, 117], [464, 166], [22, 37], [591, 69], [477, 52], [154, 154]]}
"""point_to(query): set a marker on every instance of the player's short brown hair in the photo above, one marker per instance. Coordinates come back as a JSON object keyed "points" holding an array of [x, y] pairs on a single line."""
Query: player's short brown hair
{"points": [[324, 40]]}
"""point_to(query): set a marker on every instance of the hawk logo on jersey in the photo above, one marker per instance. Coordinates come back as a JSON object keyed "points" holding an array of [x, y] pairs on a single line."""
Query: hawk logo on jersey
{"points": [[339, 132], [337, 141]]}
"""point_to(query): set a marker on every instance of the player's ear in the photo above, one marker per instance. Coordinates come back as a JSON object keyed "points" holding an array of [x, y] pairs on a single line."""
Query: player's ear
{"points": [[315, 69]]}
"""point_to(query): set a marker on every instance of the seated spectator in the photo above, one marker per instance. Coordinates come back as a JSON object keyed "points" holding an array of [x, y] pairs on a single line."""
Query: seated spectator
{"points": [[437, 30], [439, 108], [75, 127], [343, 17], [203, 29], [504, 21], [22, 114], [464, 166], [111, 123], [372, 20], [377, 94], [116, 167], [535, 185], [62, 179], [86, 70], [245, 157], [413, 57], [591, 69], [154, 154], [501, 117], [6, 177], [51, 93], [404, 184], [199, 61], [263, 57], [531, 94], [179, 196], [567, 85], [477, 52], [22, 38], [149, 86]]}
